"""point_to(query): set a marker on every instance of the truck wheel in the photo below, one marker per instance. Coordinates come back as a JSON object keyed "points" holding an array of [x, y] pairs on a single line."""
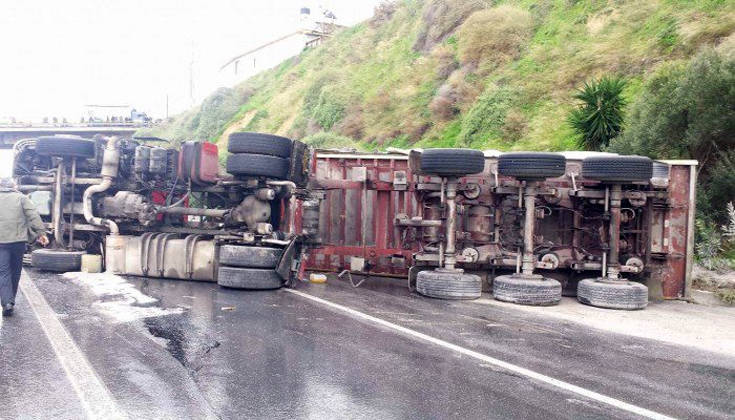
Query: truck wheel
{"points": [[536, 291], [447, 285], [612, 294], [258, 165], [618, 168], [249, 256], [259, 143], [248, 278], [452, 162], [56, 260], [532, 166], [65, 146]]}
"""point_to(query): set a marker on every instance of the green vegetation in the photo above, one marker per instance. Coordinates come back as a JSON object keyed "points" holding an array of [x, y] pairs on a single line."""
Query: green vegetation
{"points": [[715, 245], [477, 73], [726, 295], [686, 109], [325, 140], [599, 118], [483, 123], [710, 246], [492, 37]]}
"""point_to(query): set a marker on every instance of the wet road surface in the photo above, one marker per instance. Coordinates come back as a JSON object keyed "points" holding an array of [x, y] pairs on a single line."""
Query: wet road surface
{"points": [[222, 353]]}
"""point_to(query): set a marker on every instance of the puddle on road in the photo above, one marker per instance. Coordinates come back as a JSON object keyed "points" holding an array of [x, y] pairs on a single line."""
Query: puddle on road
{"points": [[118, 298], [122, 301], [184, 341]]}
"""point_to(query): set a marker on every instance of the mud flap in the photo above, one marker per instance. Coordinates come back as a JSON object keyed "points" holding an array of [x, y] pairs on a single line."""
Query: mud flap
{"points": [[289, 263]]}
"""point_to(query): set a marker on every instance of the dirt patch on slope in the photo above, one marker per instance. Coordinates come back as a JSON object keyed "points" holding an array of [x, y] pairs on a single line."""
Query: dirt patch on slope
{"points": [[237, 126]]}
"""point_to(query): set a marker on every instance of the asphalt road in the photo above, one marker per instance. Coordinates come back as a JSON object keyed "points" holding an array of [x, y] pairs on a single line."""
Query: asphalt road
{"points": [[222, 353]]}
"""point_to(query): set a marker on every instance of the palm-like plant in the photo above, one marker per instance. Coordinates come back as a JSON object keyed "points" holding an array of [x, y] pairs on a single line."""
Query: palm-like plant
{"points": [[599, 117]]}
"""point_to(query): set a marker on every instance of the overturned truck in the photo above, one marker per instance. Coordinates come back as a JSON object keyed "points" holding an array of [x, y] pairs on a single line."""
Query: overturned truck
{"points": [[160, 212], [530, 227]]}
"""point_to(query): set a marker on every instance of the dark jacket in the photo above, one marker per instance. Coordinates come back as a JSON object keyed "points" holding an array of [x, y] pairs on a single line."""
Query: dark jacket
{"points": [[18, 216]]}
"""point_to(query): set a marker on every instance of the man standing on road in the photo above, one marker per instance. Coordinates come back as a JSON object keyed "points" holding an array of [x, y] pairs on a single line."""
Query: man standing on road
{"points": [[18, 218]]}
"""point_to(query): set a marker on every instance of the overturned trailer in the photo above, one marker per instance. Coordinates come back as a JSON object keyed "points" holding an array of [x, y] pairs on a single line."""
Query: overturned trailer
{"points": [[529, 226], [162, 212]]}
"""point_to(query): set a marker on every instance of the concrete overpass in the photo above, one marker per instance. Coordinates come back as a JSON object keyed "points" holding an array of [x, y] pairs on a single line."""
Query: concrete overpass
{"points": [[9, 135]]}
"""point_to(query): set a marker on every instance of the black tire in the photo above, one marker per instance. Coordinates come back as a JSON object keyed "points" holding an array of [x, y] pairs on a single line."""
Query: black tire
{"points": [[258, 165], [532, 166], [248, 278], [57, 260], [65, 146], [447, 285], [617, 168], [535, 291], [259, 143], [620, 294], [249, 256], [452, 162]]}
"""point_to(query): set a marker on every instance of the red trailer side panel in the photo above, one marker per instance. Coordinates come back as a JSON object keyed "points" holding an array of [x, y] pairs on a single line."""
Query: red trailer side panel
{"points": [[363, 194]]}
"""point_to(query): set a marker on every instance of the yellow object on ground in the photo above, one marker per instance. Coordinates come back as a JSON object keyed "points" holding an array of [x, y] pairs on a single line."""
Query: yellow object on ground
{"points": [[317, 278], [91, 263]]}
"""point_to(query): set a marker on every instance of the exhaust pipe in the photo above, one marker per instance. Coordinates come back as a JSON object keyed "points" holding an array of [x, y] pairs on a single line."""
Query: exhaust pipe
{"points": [[58, 218], [110, 165]]}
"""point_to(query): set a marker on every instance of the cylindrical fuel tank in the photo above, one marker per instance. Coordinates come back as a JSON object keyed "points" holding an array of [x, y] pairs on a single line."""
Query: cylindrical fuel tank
{"points": [[161, 255], [432, 211], [158, 161], [142, 158], [480, 223]]}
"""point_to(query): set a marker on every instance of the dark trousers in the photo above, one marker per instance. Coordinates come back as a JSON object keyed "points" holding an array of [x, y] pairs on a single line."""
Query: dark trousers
{"points": [[11, 264]]}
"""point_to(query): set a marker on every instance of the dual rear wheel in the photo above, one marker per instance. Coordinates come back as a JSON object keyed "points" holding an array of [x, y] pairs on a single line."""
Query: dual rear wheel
{"points": [[249, 267], [258, 154], [254, 155]]}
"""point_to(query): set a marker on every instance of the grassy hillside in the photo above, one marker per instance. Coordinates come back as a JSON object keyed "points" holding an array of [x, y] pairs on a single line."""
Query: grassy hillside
{"points": [[470, 73]]}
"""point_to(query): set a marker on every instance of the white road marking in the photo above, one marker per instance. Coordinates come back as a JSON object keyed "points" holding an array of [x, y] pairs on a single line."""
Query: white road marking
{"points": [[96, 399], [491, 360]]}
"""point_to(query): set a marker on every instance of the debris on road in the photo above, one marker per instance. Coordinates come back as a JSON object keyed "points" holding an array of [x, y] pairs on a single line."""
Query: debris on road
{"points": [[317, 278]]}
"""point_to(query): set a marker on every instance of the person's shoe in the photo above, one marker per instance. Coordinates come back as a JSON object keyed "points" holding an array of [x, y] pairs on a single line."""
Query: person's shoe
{"points": [[8, 309]]}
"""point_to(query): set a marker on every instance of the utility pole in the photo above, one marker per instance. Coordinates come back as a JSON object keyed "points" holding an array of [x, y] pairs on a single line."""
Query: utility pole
{"points": [[191, 81]]}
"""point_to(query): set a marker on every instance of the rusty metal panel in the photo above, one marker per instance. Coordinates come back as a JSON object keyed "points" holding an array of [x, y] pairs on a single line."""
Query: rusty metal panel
{"points": [[676, 227], [363, 193]]}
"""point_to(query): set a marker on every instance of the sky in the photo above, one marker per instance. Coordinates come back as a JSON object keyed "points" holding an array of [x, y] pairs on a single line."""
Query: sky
{"points": [[57, 56]]}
